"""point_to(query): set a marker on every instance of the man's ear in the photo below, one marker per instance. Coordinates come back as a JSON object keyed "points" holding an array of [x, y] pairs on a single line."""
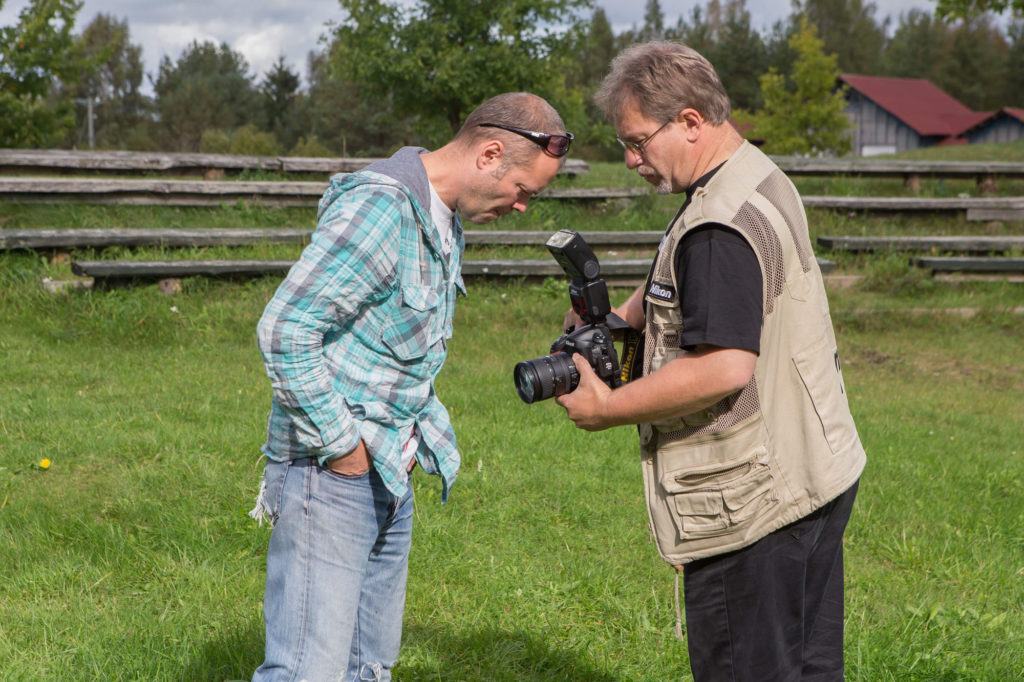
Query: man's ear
{"points": [[692, 122], [489, 155]]}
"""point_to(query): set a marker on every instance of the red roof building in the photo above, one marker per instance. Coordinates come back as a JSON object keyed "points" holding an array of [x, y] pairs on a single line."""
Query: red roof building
{"points": [[891, 115], [1005, 125]]}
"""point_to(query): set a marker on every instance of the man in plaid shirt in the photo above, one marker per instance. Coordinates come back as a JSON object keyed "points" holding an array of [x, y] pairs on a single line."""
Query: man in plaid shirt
{"points": [[352, 341]]}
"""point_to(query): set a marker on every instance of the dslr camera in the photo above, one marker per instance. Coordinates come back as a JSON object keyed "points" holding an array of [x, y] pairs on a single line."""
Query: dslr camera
{"points": [[556, 374]]}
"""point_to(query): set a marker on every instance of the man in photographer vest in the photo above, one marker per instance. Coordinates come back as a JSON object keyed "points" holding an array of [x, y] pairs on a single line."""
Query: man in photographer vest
{"points": [[750, 456]]}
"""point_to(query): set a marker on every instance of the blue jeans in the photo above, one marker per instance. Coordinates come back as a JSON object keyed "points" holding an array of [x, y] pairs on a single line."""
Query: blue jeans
{"points": [[336, 570]]}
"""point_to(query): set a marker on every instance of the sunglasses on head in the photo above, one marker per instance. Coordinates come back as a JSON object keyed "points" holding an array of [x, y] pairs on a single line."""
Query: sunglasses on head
{"points": [[555, 145]]}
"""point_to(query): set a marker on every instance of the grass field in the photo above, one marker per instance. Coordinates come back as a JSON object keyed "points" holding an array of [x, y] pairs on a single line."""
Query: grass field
{"points": [[130, 556]]}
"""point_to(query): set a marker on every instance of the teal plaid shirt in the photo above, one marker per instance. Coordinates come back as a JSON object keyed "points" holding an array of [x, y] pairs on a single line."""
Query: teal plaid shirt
{"points": [[356, 333]]}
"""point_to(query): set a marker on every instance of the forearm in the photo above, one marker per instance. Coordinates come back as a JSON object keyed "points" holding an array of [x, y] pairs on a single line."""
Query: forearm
{"points": [[685, 385], [632, 309]]}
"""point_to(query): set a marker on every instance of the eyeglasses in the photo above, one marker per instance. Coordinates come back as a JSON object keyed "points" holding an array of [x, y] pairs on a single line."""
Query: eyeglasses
{"points": [[555, 145], [638, 147]]}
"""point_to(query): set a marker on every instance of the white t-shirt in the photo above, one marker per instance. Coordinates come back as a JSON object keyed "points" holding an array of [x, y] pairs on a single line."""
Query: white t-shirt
{"points": [[443, 217]]}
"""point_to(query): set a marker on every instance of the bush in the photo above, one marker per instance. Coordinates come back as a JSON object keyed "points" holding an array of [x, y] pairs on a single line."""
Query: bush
{"points": [[310, 147], [247, 140]]}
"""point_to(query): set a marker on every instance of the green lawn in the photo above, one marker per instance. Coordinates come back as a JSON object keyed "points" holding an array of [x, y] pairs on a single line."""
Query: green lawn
{"points": [[131, 556]]}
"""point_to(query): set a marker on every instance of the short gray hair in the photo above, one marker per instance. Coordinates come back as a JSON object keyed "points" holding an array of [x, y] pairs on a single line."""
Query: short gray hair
{"points": [[664, 78], [519, 110]]}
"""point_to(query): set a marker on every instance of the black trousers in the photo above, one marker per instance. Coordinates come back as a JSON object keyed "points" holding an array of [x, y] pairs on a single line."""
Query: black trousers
{"points": [[773, 610]]}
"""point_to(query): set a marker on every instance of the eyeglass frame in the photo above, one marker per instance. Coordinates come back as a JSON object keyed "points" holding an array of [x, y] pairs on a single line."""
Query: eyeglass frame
{"points": [[638, 147], [542, 140]]}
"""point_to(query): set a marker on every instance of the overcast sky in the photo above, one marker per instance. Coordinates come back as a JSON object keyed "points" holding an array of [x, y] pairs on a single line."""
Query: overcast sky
{"points": [[261, 30]]}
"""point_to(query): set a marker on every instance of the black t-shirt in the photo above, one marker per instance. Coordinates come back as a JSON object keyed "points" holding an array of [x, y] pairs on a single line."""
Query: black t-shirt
{"points": [[719, 283], [719, 280]]}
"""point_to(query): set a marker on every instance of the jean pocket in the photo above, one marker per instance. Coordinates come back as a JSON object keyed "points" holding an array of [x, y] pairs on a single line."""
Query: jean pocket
{"points": [[274, 474]]}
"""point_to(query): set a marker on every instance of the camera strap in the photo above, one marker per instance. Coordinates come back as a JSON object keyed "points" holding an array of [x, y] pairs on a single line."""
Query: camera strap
{"points": [[632, 352]]}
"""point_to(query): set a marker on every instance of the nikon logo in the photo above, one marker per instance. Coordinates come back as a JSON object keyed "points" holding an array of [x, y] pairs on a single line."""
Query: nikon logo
{"points": [[664, 292]]}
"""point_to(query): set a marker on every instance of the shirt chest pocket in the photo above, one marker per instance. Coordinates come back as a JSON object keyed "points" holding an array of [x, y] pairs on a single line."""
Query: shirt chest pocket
{"points": [[416, 324]]}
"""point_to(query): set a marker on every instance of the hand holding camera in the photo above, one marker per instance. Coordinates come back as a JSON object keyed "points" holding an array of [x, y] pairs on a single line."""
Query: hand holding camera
{"points": [[556, 373]]}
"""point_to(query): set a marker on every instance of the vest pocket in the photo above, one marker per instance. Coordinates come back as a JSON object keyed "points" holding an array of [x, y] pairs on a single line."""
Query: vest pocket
{"points": [[818, 367], [720, 498]]}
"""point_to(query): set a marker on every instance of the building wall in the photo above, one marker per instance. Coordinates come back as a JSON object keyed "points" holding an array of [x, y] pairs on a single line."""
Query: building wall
{"points": [[1002, 129], [875, 130]]}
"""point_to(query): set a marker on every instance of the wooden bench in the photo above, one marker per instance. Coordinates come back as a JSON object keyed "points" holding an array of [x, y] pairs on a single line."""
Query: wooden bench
{"points": [[68, 238], [615, 270], [148, 192], [975, 208], [943, 244], [984, 173], [305, 194], [14, 161], [151, 270], [971, 264]]}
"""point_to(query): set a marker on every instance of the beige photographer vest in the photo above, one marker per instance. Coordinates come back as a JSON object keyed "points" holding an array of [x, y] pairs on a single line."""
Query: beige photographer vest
{"points": [[784, 445]]}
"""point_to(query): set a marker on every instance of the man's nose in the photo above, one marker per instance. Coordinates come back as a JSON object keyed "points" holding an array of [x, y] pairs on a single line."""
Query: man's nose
{"points": [[633, 159]]}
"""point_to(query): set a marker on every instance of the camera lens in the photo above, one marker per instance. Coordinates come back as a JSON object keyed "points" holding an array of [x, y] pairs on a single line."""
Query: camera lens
{"points": [[546, 377]]}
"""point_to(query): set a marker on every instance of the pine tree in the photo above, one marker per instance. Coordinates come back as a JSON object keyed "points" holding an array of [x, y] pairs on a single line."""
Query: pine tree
{"points": [[807, 114]]}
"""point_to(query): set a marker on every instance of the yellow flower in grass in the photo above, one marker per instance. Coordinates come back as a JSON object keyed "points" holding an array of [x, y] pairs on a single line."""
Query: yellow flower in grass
{"points": [[44, 463]]}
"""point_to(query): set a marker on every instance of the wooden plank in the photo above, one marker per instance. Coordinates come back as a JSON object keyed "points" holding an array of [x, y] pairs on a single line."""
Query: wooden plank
{"points": [[794, 165], [55, 160], [526, 267], [46, 238], [903, 204], [306, 193], [969, 264], [206, 193], [594, 193], [121, 269], [983, 244], [536, 238], [1007, 215], [125, 161], [66, 238]]}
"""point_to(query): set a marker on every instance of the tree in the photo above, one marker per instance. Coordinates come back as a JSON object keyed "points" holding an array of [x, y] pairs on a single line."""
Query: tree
{"points": [[35, 56], [918, 46], [654, 22], [438, 59], [208, 87], [113, 84], [965, 9], [848, 29], [1014, 86], [278, 92], [724, 36], [739, 56], [809, 116], [598, 49], [335, 113], [974, 70], [697, 32]]}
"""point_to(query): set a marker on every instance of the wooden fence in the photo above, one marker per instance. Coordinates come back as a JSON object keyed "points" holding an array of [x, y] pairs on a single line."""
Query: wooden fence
{"points": [[212, 166], [151, 192]]}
